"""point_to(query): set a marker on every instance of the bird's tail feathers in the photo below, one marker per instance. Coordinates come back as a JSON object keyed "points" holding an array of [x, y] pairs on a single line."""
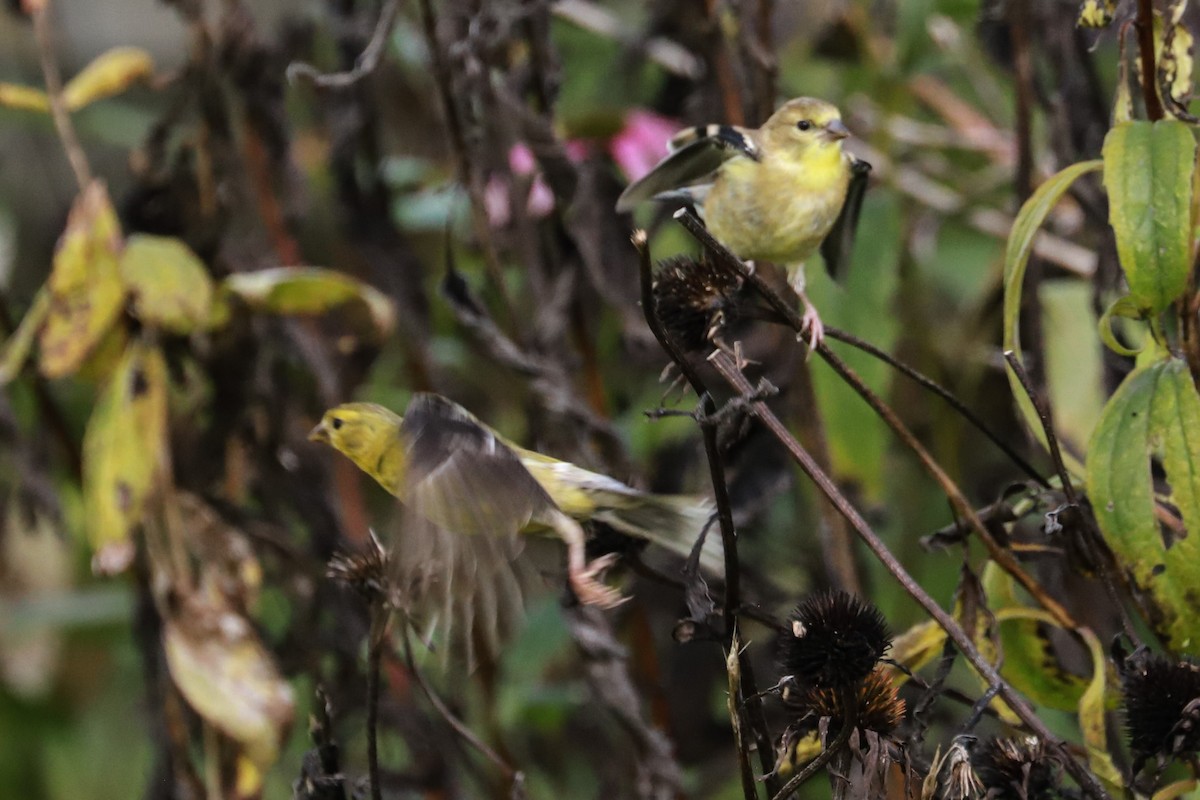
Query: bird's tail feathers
{"points": [[673, 522]]}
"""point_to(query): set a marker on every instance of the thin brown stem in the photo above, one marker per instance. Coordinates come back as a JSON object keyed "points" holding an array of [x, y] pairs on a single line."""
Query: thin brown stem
{"points": [[364, 65], [1003, 557], [849, 717], [1043, 412], [732, 601], [933, 386], [1145, 33], [733, 375], [515, 778], [374, 654], [58, 107]]}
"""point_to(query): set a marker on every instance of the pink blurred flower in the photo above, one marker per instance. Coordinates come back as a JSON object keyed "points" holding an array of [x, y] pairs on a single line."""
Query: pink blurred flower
{"points": [[540, 200], [638, 146], [642, 142]]}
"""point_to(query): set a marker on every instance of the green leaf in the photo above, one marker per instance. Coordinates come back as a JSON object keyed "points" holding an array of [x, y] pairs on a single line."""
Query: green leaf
{"points": [[17, 347], [1016, 258], [168, 283], [122, 451], [309, 290], [1148, 175], [1154, 413], [1122, 307], [1074, 360]]}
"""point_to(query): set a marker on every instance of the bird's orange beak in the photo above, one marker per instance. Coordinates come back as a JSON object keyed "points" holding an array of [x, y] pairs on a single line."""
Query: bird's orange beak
{"points": [[319, 433], [836, 130]]}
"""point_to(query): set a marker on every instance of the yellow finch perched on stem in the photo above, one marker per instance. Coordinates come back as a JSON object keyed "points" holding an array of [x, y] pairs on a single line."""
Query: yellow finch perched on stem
{"points": [[468, 493], [776, 193]]}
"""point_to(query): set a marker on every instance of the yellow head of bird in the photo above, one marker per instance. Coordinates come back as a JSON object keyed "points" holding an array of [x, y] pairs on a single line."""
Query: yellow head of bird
{"points": [[804, 123], [360, 431]]}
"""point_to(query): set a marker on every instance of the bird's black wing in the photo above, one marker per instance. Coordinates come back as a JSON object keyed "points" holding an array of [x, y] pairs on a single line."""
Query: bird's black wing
{"points": [[696, 153], [838, 246]]}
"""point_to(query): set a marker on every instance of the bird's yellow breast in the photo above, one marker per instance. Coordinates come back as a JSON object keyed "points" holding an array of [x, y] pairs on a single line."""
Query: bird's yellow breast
{"points": [[778, 209]]}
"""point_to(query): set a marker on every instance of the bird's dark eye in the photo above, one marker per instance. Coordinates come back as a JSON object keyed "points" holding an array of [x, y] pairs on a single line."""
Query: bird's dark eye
{"points": [[336, 422], [803, 124]]}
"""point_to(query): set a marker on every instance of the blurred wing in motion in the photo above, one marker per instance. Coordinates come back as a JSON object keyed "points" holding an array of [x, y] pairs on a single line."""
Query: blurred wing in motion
{"points": [[456, 556], [466, 594], [461, 476]]}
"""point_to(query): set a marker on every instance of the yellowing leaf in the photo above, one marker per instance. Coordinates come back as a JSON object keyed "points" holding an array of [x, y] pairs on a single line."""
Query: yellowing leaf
{"points": [[122, 451], [110, 73], [1096, 13], [1154, 413], [168, 283], [1030, 664], [1092, 708], [1175, 63], [17, 347], [25, 98], [86, 294], [916, 647], [1148, 175], [228, 677], [309, 290]]}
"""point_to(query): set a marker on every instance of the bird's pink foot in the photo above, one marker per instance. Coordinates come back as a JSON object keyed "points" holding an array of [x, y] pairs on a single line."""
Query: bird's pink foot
{"points": [[813, 327], [586, 585]]}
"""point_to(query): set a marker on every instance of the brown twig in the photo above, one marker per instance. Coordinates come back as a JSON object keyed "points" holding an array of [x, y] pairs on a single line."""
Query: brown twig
{"points": [[928, 383], [58, 107], [848, 704], [733, 375], [515, 777], [364, 65], [732, 600], [959, 502], [1145, 32], [1043, 412], [379, 616]]}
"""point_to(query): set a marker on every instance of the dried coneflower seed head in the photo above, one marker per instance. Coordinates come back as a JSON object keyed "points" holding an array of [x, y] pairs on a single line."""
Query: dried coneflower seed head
{"points": [[694, 300], [1017, 769], [878, 707], [834, 639], [1162, 705], [954, 774], [365, 572]]}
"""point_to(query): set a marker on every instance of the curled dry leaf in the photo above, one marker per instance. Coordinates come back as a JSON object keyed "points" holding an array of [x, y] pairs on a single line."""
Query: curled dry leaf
{"points": [[230, 566], [86, 293], [122, 450], [227, 676]]}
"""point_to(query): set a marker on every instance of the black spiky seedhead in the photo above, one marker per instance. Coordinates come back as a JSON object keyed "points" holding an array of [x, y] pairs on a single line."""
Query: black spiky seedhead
{"points": [[365, 572], [1162, 705], [1017, 769], [834, 640], [877, 708], [694, 300]]}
